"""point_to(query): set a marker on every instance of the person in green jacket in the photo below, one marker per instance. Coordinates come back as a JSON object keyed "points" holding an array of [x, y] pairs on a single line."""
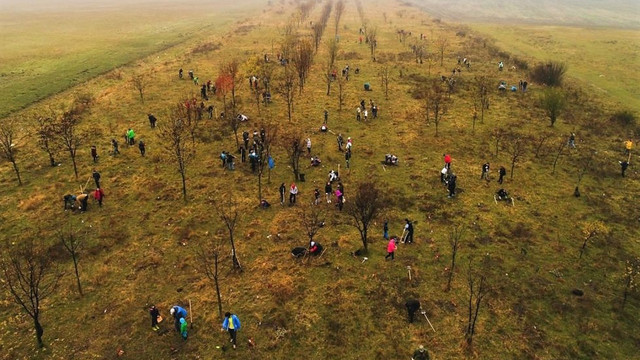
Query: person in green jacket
{"points": [[183, 328], [420, 354], [131, 136]]}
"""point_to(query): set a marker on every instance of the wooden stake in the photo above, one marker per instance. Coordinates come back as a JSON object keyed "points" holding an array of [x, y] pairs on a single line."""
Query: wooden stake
{"points": [[190, 314]]}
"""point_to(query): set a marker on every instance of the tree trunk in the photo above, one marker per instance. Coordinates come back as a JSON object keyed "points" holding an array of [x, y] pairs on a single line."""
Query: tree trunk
{"points": [[184, 184], [234, 257], [73, 160], [39, 330], [15, 167], [215, 279], [260, 184], [52, 160], [75, 266], [513, 165]]}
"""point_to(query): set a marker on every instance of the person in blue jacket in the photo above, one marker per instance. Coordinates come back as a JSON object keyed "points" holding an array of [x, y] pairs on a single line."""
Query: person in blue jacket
{"points": [[177, 312], [231, 323]]}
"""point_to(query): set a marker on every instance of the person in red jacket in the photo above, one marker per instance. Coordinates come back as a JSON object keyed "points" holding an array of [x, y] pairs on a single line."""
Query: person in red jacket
{"points": [[98, 195], [447, 161]]}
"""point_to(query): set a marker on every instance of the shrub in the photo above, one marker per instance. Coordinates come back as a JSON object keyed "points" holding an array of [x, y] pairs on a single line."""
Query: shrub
{"points": [[550, 74], [624, 118], [553, 101]]}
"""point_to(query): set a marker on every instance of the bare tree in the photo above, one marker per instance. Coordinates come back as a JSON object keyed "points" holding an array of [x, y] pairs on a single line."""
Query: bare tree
{"points": [[45, 131], [69, 136], [175, 135], [332, 52], [365, 205], [292, 142], [442, 43], [303, 58], [209, 255], [540, 141], [372, 36], [317, 31], [515, 147], [140, 82], [287, 88], [482, 95], [454, 239], [590, 231], [232, 70], [631, 271], [384, 77], [227, 211], [560, 152], [8, 150], [311, 219], [498, 135], [264, 153], [30, 277], [338, 14], [477, 291], [438, 103], [342, 82], [72, 243]]}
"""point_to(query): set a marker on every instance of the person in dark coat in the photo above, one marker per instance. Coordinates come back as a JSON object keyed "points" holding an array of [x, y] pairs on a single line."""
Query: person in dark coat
{"points": [[451, 186], [94, 153], [142, 147], [283, 190], [412, 305], [623, 166], [155, 313], [96, 177], [502, 172], [152, 120], [243, 154], [114, 144]]}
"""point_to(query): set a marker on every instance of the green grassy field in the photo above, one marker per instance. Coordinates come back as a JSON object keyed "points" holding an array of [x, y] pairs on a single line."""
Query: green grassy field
{"points": [[603, 60], [52, 48], [140, 247]]}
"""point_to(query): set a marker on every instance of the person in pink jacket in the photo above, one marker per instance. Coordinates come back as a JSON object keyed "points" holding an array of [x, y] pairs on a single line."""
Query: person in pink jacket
{"points": [[391, 248]]}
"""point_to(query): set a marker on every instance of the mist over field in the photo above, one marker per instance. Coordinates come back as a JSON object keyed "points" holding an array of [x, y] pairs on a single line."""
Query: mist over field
{"points": [[613, 13]]}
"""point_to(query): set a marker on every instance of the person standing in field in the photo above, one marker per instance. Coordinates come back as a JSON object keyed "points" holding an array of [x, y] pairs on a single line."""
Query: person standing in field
{"points": [[358, 111], [485, 172], [152, 120], [131, 136], [114, 145], [98, 194], [155, 313], [502, 172], [96, 177], [412, 306], [293, 191], [231, 323], [94, 153], [142, 147], [623, 166], [391, 248], [326, 116], [347, 157], [309, 146], [340, 142], [328, 191], [385, 230], [451, 186], [283, 189]]}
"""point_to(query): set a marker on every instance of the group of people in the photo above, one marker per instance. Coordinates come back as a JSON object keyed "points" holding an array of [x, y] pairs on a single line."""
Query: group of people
{"points": [[230, 323], [363, 114]]}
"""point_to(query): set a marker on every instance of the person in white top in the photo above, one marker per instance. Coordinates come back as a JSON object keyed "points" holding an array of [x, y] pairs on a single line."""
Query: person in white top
{"points": [[309, 146]]}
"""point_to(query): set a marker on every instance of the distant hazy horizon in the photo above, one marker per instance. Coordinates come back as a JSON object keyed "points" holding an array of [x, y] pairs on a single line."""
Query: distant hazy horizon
{"points": [[606, 13]]}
